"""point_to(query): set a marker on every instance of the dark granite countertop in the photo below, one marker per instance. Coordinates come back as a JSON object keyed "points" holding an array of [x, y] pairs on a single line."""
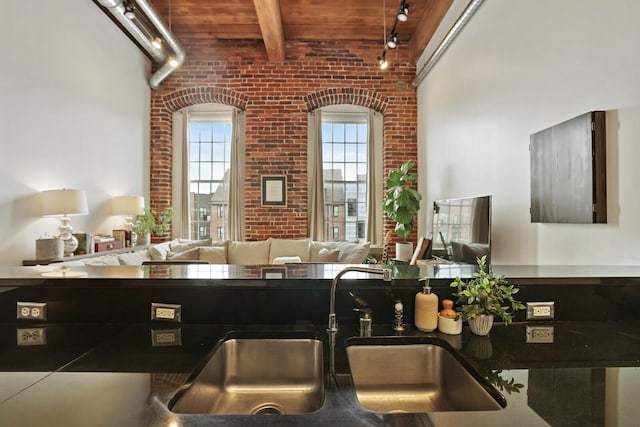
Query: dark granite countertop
{"points": [[121, 375], [205, 274]]}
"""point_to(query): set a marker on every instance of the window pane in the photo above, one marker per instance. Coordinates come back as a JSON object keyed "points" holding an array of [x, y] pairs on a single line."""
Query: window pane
{"points": [[205, 171], [345, 173], [363, 132]]}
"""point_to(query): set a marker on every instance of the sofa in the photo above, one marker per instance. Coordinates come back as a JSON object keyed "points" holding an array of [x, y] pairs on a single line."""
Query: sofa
{"points": [[263, 252]]}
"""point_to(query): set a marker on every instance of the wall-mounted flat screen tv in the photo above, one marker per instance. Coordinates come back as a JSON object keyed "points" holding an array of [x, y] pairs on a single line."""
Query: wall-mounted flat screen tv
{"points": [[462, 229]]}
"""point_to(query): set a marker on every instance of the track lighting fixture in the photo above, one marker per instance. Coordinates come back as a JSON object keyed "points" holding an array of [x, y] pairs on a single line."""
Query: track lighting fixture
{"points": [[403, 12], [382, 60], [392, 43], [129, 10]]}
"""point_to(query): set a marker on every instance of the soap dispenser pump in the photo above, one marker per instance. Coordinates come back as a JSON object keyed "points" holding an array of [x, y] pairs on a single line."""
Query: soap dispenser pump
{"points": [[426, 308]]}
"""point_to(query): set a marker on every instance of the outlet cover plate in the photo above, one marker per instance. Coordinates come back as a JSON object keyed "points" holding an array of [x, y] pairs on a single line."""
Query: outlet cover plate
{"points": [[31, 336], [540, 310], [166, 312], [539, 334], [166, 337], [31, 310]]}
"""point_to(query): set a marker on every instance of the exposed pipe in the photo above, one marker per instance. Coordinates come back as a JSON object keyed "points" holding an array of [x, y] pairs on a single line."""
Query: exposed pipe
{"points": [[170, 62], [447, 40]]}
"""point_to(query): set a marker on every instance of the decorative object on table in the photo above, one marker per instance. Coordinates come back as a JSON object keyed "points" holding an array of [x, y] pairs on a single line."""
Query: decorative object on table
{"points": [[150, 223], [123, 236], [49, 248], [449, 320], [129, 206], [384, 259], [274, 190], [426, 308], [401, 203], [65, 202], [486, 296], [85, 243]]}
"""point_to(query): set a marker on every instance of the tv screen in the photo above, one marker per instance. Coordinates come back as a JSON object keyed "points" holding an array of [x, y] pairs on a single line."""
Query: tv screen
{"points": [[462, 229]]}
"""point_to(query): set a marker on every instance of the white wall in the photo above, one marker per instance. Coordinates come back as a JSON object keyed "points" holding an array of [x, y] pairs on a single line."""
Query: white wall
{"points": [[519, 67], [74, 113]]}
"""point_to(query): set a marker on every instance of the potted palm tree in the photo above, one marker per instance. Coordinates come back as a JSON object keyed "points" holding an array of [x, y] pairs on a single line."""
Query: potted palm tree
{"points": [[151, 223], [484, 297], [401, 203]]}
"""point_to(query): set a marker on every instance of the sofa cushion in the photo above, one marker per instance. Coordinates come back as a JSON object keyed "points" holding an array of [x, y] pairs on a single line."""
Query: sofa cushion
{"points": [[183, 245], [160, 251], [134, 258], [315, 247], [286, 260], [213, 254], [289, 248], [102, 260], [192, 254], [353, 253], [328, 255], [248, 253]]}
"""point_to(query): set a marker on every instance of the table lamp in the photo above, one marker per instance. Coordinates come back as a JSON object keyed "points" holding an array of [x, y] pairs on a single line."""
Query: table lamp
{"points": [[129, 206], [65, 202]]}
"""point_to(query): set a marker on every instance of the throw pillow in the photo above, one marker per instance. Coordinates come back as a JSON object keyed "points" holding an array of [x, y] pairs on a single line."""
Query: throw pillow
{"points": [[248, 253], [160, 251], [286, 260], [213, 254], [133, 258], [192, 254], [353, 253], [288, 248], [326, 255], [316, 246], [183, 246]]}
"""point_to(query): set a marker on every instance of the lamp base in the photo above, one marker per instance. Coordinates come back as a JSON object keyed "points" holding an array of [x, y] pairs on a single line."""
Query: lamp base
{"points": [[70, 245]]}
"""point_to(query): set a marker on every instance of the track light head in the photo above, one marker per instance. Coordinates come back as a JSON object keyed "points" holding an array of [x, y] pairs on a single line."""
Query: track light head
{"points": [[129, 10], [382, 60], [403, 12], [392, 43]]}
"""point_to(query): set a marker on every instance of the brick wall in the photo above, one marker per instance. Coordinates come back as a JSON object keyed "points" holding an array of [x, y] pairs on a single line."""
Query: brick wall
{"points": [[276, 98]]}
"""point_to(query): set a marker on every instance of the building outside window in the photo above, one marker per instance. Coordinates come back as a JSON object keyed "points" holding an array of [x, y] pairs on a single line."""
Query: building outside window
{"points": [[345, 168], [220, 233], [209, 163]]}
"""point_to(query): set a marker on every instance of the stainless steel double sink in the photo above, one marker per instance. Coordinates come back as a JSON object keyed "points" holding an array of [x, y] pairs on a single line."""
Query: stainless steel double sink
{"points": [[267, 376]]}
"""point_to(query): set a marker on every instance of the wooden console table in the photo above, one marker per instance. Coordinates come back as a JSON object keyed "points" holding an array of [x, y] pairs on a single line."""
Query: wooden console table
{"points": [[32, 262]]}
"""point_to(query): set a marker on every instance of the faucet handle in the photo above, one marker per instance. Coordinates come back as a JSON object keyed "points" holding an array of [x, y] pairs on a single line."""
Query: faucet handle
{"points": [[366, 320]]}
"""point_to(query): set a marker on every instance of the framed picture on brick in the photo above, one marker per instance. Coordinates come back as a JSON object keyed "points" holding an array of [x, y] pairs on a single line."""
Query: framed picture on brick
{"points": [[274, 190]]}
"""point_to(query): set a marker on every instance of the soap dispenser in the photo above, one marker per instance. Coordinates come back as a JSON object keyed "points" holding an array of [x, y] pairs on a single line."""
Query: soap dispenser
{"points": [[426, 313]]}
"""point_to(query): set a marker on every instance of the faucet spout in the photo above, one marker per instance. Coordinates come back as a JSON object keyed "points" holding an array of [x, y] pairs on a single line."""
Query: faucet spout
{"points": [[333, 323]]}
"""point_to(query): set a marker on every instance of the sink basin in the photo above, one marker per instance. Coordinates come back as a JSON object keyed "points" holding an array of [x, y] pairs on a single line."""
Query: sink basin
{"points": [[257, 376], [401, 375]]}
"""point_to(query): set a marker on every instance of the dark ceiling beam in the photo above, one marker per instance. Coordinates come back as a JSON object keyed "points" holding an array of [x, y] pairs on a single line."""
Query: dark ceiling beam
{"points": [[270, 21], [434, 11]]}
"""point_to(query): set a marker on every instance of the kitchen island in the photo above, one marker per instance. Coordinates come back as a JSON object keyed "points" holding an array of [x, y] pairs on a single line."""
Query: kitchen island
{"points": [[99, 360]]}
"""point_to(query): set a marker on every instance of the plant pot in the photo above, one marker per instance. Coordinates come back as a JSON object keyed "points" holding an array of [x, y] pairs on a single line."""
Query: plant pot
{"points": [[404, 251], [143, 240], [450, 326], [481, 324]]}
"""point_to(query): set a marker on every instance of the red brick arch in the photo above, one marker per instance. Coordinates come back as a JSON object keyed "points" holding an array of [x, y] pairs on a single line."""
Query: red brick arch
{"points": [[336, 96], [177, 100]]}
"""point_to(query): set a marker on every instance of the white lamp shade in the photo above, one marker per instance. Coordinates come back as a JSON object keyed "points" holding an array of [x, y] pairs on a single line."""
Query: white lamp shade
{"points": [[127, 205], [64, 202]]}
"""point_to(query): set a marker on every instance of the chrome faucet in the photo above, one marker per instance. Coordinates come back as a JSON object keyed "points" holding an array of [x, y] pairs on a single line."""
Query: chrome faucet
{"points": [[333, 324]]}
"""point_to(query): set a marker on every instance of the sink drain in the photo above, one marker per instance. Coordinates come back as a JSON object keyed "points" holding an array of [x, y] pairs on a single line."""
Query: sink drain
{"points": [[268, 409]]}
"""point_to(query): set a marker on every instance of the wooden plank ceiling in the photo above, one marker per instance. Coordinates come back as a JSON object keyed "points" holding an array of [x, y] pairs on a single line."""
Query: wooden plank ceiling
{"points": [[279, 21]]}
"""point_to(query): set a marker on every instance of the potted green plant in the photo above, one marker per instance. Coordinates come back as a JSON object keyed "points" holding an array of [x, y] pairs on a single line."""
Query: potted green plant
{"points": [[150, 223], [485, 296], [401, 204]]}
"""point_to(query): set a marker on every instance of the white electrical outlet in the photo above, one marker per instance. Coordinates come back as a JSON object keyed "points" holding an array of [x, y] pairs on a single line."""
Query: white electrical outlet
{"points": [[31, 310], [540, 334], [166, 337], [540, 310], [31, 336], [170, 312]]}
